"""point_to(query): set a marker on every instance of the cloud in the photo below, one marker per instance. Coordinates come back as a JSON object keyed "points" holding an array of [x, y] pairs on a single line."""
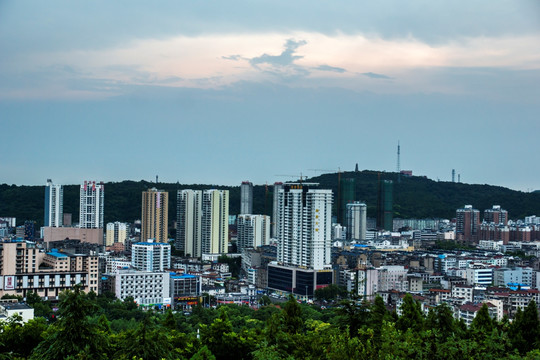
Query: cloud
{"points": [[287, 57], [330, 68], [233, 57], [376, 76]]}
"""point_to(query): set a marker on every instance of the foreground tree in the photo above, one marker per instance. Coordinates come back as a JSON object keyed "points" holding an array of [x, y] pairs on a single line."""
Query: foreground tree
{"points": [[73, 334]]}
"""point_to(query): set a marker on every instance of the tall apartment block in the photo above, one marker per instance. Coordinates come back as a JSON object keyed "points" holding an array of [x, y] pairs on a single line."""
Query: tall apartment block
{"points": [[117, 232], [54, 205], [467, 224], [188, 222], [202, 222], [92, 197], [215, 222], [347, 191], [356, 221], [154, 217], [496, 215], [246, 198], [305, 219], [253, 231], [385, 201], [275, 219]]}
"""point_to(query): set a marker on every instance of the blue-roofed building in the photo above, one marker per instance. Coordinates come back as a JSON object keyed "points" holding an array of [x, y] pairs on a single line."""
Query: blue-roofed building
{"points": [[185, 289]]}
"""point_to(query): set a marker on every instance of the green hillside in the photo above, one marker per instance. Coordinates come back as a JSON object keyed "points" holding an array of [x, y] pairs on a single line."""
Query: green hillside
{"points": [[414, 197]]}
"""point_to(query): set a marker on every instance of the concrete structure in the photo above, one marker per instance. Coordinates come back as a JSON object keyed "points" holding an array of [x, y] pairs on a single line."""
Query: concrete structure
{"points": [[275, 205], [467, 224], [385, 203], [214, 222], [93, 236], [9, 308], [54, 205], [356, 221], [91, 209], [25, 268], [154, 217], [246, 198], [253, 231], [148, 288], [188, 223], [479, 274], [519, 275], [496, 215], [288, 279], [117, 232], [151, 256], [305, 219], [185, 289]]}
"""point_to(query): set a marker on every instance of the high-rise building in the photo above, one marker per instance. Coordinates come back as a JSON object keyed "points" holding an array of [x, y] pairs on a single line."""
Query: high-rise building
{"points": [[246, 198], [467, 223], [356, 221], [151, 256], [154, 220], [385, 205], [275, 218], [253, 231], [188, 222], [117, 232], [54, 205], [215, 222], [305, 225], [496, 215], [347, 190], [92, 197]]}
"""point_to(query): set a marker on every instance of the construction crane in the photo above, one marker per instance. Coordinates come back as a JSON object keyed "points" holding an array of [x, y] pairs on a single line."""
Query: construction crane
{"points": [[302, 178]]}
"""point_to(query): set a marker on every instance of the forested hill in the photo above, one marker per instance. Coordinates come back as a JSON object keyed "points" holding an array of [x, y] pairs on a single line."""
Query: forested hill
{"points": [[414, 197]]}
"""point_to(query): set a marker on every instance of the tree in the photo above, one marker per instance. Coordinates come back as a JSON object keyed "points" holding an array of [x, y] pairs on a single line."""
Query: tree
{"points": [[524, 331], [411, 315], [73, 334], [292, 316], [482, 322]]}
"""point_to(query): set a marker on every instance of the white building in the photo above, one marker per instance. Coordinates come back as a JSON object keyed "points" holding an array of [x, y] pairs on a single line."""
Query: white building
{"points": [[464, 292], [188, 224], [91, 205], [515, 276], [9, 308], [479, 274], [151, 256], [146, 287], [275, 218], [116, 232], [305, 219], [253, 231], [356, 221], [54, 205], [215, 222], [246, 198], [114, 265], [392, 277]]}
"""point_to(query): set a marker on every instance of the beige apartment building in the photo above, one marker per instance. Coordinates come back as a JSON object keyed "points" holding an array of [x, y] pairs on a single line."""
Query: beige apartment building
{"points": [[25, 268], [154, 222]]}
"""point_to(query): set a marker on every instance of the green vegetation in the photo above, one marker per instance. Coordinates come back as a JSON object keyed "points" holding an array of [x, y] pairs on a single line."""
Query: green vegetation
{"points": [[101, 327], [414, 197]]}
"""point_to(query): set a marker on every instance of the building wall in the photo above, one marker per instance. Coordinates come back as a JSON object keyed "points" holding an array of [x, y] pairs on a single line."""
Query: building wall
{"points": [[154, 219], [246, 198], [54, 205], [188, 225], [215, 222], [93, 236], [253, 231], [91, 205]]}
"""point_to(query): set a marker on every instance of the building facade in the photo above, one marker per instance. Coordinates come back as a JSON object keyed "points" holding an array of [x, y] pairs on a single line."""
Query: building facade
{"points": [[467, 224], [215, 222], [91, 207], [54, 205], [246, 198], [188, 223], [154, 217], [151, 256], [117, 232], [305, 226], [253, 231], [356, 221]]}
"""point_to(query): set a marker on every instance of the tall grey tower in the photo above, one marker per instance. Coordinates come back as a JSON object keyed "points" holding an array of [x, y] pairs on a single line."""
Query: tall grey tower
{"points": [[356, 221], [246, 198], [54, 205]]}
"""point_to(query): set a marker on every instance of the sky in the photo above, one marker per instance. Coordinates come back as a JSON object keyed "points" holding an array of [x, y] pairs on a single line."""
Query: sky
{"points": [[219, 92]]}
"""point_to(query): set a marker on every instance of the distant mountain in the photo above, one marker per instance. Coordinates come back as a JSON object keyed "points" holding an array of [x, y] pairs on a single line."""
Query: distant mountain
{"points": [[414, 197]]}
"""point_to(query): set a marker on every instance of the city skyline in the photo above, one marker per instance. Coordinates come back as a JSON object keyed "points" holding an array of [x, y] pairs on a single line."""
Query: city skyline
{"points": [[246, 91]]}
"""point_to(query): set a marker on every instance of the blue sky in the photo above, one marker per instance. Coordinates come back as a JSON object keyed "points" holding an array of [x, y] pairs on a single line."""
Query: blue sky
{"points": [[220, 92]]}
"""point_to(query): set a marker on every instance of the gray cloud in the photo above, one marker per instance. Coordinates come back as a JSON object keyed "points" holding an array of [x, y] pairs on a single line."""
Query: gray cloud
{"points": [[287, 57], [233, 57], [376, 76], [330, 68]]}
